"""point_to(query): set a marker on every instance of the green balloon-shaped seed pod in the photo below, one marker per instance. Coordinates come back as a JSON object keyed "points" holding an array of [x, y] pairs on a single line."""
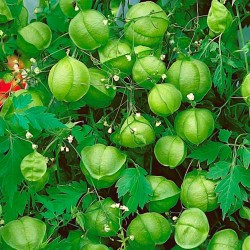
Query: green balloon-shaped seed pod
{"points": [[142, 51], [226, 239], [245, 89], [34, 166], [146, 24], [5, 14], [93, 246], [89, 30], [24, 234], [170, 151], [165, 194], [101, 219], [34, 38], [164, 99], [136, 131], [71, 7], [199, 192], [148, 230], [194, 125], [246, 243], [117, 56], [147, 71], [191, 229], [190, 76], [101, 92], [219, 18], [69, 80], [245, 213], [102, 165]]}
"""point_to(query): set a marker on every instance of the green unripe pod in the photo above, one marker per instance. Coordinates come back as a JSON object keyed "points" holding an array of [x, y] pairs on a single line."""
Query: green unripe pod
{"points": [[170, 151], [26, 233], [164, 99], [117, 57], [245, 89], [194, 125], [5, 14], [199, 192], [165, 194], [146, 24], [190, 76], [148, 230], [246, 243], [89, 30], [102, 165], [226, 239], [100, 94], [101, 219], [142, 51], [69, 80], [34, 38], [93, 246], [147, 71], [219, 19], [191, 229], [136, 132]]}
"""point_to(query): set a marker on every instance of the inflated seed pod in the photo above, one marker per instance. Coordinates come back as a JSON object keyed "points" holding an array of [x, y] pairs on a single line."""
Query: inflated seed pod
{"points": [[191, 229], [69, 80], [101, 92], [219, 18], [34, 166], [146, 24], [102, 165], [142, 51], [116, 56], [25, 233], [147, 71], [170, 151], [246, 243], [101, 219], [147, 230], [5, 14], [165, 194], [245, 89], [190, 76], [164, 99], [226, 239], [194, 125], [34, 38], [92, 246], [199, 192], [89, 29], [135, 132]]}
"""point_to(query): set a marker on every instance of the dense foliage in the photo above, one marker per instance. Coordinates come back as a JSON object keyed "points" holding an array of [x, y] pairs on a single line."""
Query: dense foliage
{"points": [[124, 124]]}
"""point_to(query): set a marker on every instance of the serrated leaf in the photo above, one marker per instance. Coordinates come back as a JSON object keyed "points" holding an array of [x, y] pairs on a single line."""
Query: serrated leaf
{"points": [[224, 135], [243, 175], [218, 170], [244, 154], [22, 101], [134, 184]]}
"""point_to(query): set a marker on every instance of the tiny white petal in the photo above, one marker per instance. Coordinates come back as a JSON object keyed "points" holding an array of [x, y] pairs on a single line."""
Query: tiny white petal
{"points": [[131, 237], [37, 70], [34, 146], [174, 218], [158, 123], [138, 114], [33, 60], [28, 135], [76, 8], [116, 78], [110, 130], [67, 149], [163, 76], [163, 57], [105, 21], [1, 32], [128, 57], [190, 96], [62, 148]]}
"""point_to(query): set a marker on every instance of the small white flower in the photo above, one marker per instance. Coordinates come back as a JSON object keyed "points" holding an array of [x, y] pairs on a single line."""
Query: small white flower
{"points": [[115, 205], [174, 218], [110, 130], [105, 21], [37, 70], [171, 41], [131, 237], [2, 222], [28, 135], [1, 33], [76, 8], [163, 76], [32, 60], [137, 114], [106, 228], [16, 67], [116, 78], [128, 57], [67, 149], [24, 73], [70, 138], [34, 146], [190, 96], [114, 87], [62, 148], [52, 159], [158, 123], [103, 80], [163, 57], [124, 208]]}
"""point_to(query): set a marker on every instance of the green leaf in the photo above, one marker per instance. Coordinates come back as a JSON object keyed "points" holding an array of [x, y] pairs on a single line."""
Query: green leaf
{"points": [[219, 170], [244, 154], [224, 135], [243, 175], [2, 126], [134, 184], [22, 101], [228, 190]]}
